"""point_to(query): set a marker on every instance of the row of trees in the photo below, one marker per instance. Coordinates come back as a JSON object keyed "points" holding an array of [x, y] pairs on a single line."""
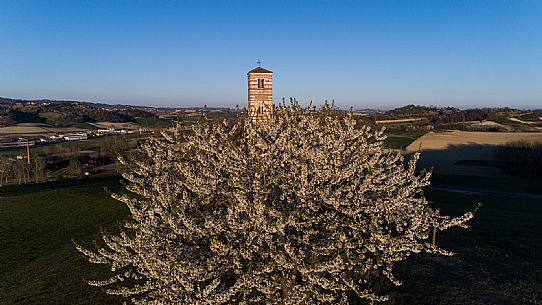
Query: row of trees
{"points": [[478, 114], [68, 155], [522, 159], [444, 115], [20, 172]]}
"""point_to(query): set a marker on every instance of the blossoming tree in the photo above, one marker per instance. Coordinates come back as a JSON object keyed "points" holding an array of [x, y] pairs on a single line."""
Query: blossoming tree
{"points": [[303, 208]]}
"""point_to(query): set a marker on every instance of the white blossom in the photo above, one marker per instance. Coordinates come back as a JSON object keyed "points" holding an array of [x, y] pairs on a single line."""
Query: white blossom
{"points": [[302, 208]]}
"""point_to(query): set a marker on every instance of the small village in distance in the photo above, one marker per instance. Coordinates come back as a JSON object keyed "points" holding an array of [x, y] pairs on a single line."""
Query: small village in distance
{"points": [[58, 140]]}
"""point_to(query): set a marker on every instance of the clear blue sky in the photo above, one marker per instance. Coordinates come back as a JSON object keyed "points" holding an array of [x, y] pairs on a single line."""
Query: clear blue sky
{"points": [[376, 54]]}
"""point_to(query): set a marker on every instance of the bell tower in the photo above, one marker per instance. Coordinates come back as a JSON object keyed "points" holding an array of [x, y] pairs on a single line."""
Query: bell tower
{"points": [[260, 92]]}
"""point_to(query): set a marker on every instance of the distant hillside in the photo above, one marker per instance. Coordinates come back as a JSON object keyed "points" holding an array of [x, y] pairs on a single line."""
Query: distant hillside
{"points": [[406, 118], [67, 113], [414, 117]]}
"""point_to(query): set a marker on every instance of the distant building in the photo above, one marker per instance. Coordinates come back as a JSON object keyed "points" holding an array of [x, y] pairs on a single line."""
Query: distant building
{"points": [[260, 92], [75, 137]]}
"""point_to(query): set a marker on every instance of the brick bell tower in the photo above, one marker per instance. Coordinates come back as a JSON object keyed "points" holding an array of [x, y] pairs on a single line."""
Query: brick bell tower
{"points": [[260, 92]]}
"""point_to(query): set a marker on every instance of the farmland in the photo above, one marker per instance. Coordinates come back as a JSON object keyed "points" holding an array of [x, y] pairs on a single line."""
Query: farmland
{"points": [[86, 144], [444, 140], [447, 152], [105, 125], [35, 129]]}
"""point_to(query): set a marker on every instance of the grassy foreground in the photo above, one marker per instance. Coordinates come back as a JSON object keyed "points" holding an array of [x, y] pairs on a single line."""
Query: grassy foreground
{"points": [[38, 262], [499, 259]]}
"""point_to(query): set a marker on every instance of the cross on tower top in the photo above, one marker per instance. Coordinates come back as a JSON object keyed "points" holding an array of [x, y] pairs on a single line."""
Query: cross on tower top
{"points": [[259, 62]]}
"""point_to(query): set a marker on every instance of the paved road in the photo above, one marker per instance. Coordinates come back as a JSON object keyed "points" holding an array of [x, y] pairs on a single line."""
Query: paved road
{"points": [[482, 191]]}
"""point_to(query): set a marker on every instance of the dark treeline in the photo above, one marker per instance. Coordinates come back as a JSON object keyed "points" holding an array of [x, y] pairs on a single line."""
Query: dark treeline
{"points": [[482, 114], [446, 115], [20, 171], [522, 159]]}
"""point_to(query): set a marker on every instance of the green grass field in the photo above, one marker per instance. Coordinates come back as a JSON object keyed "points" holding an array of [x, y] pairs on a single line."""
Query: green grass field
{"points": [[154, 122], [498, 261], [38, 262], [398, 139]]}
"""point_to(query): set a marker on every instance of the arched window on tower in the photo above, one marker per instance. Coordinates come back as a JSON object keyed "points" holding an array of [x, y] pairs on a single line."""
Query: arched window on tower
{"points": [[259, 83], [262, 83]]}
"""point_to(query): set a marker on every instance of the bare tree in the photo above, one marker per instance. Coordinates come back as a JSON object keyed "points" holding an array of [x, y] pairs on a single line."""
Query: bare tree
{"points": [[304, 208], [38, 168], [18, 169], [5, 169], [74, 167]]}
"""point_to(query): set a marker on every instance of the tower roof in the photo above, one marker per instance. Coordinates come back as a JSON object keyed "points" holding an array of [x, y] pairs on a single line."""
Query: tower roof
{"points": [[259, 70]]}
